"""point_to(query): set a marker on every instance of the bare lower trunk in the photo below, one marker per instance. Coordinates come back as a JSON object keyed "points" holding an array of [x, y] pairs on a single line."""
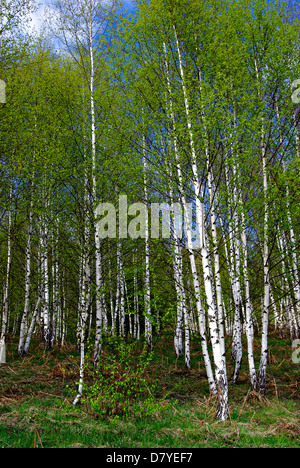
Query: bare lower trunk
{"points": [[6, 286], [136, 327], [219, 359], [27, 289], [45, 288], [249, 310], [32, 325], [147, 296], [262, 375], [192, 259], [83, 318]]}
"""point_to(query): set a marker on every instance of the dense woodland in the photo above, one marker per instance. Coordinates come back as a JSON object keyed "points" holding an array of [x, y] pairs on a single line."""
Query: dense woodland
{"points": [[190, 103]]}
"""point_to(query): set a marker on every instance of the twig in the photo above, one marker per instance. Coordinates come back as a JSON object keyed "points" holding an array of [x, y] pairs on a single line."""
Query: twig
{"points": [[37, 434]]}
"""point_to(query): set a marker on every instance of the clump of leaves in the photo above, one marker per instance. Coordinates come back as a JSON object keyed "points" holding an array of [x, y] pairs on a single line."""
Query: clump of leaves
{"points": [[121, 387]]}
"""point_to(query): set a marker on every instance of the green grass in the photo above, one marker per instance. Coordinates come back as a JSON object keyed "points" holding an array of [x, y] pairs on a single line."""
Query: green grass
{"points": [[36, 409]]}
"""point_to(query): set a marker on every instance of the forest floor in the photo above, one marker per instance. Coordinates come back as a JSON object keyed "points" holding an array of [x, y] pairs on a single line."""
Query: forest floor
{"points": [[36, 404]]}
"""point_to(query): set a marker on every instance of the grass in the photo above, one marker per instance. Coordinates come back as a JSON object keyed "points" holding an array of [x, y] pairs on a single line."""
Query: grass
{"points": [[36, 409]]}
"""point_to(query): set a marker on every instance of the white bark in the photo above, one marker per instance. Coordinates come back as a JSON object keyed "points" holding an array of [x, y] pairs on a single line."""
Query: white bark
{"points": [[219, 359], [55, 289], [121, 291], [237, 351], [111, 299], [147, 295], [212, 194], [262, 376], [179, 287], [196, 282], [100, 301], [7, 281], [45, 282], [32, 325], [84, 296], [2, 351], [291, 313], [27, 287], [136, 302], [83, 317], [249, 309]]}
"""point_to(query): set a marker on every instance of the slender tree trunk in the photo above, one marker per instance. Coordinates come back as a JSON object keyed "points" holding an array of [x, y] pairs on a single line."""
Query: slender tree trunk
{"points": [[196, 282], [32, 324], [177, 269], [27, 287], [121, 292], [289, 307], [212, 193], [84, 300], [249, 309], [55, 295], [45, 288], [83, 317], [179, 320], [187, 353], [147, 295], [262, 375], [136, 302], [219, 359], [7, 282], [112, 307], [99, 293]]}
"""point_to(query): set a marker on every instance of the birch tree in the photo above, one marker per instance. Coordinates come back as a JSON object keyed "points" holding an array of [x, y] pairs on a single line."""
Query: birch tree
{"points": [[5, 303], [81, 27]]}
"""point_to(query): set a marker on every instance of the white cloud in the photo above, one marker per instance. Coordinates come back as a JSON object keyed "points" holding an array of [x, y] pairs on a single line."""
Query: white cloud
{"points": [[35, 25]]}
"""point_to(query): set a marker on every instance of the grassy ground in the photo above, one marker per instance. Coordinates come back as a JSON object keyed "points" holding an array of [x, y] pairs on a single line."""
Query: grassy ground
{"points": [[36, 409]]}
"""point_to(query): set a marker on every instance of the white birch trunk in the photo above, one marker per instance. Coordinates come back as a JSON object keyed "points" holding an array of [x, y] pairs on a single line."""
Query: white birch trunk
{"points": [[99, 293], [212, 194], [55, 294], [249, 309], [179, 287], [32, 324], [45, 287], [147, 295], [237, 351], [219, 359], [6, 285], [118, 297], [27, 287], [187, 352], [112, 308], [262, 375], [121, 286], [84, 294], [83, 317], [289, 307], [136, 302], [196, 282]]}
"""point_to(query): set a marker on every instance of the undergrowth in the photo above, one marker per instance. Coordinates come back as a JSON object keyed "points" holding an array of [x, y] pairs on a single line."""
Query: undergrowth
{"points": [[142, 400]]}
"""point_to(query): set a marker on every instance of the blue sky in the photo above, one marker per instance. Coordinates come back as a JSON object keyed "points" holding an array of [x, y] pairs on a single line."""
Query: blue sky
{"points": [[37, 16]]}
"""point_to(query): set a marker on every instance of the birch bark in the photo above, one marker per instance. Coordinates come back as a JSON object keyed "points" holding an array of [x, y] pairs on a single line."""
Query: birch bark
{"points": [[7, 282], [219, 359], [100, 301], [196, 282], [262, 375], [27, 287], [147, 295]]}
